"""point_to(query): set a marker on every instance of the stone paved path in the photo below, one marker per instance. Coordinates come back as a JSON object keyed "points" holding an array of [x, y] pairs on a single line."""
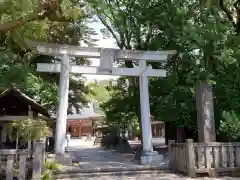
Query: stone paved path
{"points": [[90, 157], [95, 157], [163, 176]]}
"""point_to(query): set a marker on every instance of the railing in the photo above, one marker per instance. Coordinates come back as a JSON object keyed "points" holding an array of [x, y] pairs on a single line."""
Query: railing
{"points": [[197, 158], [18, 163]]}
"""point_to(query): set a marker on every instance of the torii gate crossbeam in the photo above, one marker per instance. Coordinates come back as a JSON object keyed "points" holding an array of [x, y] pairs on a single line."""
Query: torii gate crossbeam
{"points": [[107, 56]]}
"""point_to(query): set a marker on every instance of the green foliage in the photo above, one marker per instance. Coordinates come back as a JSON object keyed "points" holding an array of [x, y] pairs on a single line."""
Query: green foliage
{"points": [[198, 34], [230, 124], [16, 71], [118, 109], [49, 167], [52, 165], [99, 91], [49, 21], [27, 130]]}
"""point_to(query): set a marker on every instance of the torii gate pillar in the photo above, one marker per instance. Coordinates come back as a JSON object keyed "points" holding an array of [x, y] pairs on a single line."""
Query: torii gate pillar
{"points": [[62, 107], [148, 156], [107, 56]]}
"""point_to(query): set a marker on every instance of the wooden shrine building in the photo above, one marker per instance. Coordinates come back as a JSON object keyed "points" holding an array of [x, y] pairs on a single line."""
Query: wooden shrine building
{"points": [[15, 105], [83, 123]]}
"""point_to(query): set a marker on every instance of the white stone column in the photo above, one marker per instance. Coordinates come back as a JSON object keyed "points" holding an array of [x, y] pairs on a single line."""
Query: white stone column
{"points": [[145, 109], [61, 123], [148, 156]]}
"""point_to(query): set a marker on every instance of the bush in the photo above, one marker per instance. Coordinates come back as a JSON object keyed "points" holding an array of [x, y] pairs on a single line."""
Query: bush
{"points": [[110, 141], [230, 125], [49, 167]]}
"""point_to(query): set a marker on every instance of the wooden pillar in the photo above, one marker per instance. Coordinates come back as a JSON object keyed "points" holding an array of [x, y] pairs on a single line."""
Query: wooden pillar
{"points": [[30, 112], [4, 132], [30, 115], [80, 128]]}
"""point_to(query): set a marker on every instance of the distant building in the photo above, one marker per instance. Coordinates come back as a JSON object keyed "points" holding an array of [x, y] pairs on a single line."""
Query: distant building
{"points": [[158, 127], [83, 123]]}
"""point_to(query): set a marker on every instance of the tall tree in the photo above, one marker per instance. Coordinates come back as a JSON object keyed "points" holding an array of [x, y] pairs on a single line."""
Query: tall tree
{"points": [[55, 21], [202, 36]]}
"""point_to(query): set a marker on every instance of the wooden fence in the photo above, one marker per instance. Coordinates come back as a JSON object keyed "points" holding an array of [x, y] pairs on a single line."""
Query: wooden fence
{"points": [[197, 158], [19, 163]]}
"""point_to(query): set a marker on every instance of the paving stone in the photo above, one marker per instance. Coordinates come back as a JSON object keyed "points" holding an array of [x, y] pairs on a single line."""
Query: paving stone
{"points": [[91, 157], [163, 176], [95, 157]]}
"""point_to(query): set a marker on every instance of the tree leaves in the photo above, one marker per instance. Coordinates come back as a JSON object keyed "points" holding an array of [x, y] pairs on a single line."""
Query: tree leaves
{"points": [[18, 62], [27, 130], [201, 34], [230, 124]]}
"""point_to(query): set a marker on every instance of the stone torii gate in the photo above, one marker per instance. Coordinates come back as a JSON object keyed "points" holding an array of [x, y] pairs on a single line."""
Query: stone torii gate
{"points": [[107, 56]]}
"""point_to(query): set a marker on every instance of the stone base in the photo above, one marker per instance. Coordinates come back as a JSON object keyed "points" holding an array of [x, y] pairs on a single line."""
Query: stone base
{"points": [[65, 159], [151, 158]]}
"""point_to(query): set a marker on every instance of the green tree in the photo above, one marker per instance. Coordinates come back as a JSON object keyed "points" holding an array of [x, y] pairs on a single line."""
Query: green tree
{"points": [[230, 125], [99, 91], [199, 34], [28, 130], [55, 21]]}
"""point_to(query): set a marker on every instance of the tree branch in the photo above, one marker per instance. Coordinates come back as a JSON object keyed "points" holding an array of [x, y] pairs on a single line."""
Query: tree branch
{"points": [[237, 8], [119, 43], [227, 12], [47, 9], [148, 36]]}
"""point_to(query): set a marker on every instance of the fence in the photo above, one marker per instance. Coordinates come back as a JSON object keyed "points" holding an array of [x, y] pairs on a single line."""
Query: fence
{"points": [[18, 163], [197, 158]]}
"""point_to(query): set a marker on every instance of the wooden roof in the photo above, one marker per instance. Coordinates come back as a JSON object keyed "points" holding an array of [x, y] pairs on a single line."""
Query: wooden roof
{"points": [[14, 92]]}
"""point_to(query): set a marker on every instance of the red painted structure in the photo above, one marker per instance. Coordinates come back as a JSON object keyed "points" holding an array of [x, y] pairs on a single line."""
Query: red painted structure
{"points": [[78, 128]]}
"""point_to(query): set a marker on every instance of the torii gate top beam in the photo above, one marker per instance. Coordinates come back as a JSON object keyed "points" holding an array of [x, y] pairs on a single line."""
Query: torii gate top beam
{"points": [[92, 52]]}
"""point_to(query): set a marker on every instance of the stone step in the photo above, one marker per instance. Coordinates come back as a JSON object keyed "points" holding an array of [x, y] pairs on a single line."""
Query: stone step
{"points": [[81, 175]]}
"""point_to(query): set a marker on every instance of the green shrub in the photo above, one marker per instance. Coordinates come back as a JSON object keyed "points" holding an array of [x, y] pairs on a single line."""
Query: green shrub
{"points": [[49, 167], [230, 125]]}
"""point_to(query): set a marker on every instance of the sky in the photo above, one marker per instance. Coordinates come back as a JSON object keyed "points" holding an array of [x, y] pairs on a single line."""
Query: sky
{"points": [[104, 43]]}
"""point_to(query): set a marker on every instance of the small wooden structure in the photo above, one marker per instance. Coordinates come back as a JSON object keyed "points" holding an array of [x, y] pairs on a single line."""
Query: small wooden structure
{"points": [[211, 158], [158, 128], [15, 105]]}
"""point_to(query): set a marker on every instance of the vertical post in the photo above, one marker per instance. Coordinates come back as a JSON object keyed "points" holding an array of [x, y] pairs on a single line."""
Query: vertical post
{"points": [[30, 115], [62, 109], [37, 160], [4, 132], [30, 112], [205, 113], [170, 153], [145, 109], [22, 167], [9, 167], [190, 158]]}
